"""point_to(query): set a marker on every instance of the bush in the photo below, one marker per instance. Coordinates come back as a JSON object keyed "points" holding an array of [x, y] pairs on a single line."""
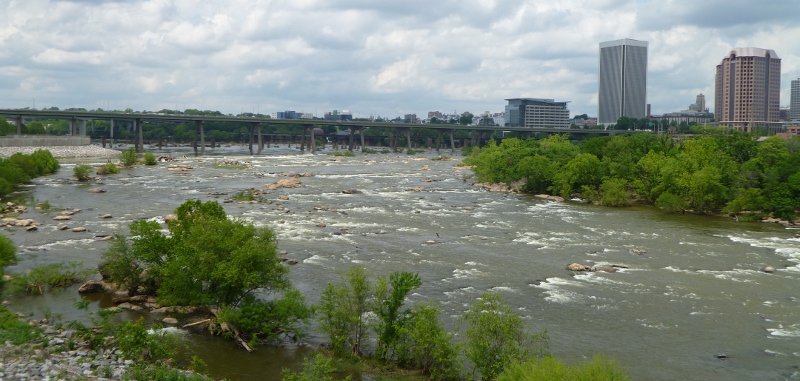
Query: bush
{"points": [[614, 192], [108, 168], [495, 336], [425, 344], [128, 157], [318, 368], [345, 153], [140, 344], [14, 330], [260, 319], [8, 256], [342, 308], [150, 159], [43, 278], [552, 369], [82, 172]]}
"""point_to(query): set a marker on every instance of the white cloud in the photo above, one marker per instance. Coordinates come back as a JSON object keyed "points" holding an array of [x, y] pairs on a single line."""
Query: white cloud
{"points": [[387, 58]]}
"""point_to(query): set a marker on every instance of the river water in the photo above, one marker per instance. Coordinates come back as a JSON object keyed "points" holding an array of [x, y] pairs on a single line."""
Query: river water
{"points": [[695, 295]]}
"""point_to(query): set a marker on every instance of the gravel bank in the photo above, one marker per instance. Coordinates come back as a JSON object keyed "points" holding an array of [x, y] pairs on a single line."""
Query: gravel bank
{"points": [[63, 151]]}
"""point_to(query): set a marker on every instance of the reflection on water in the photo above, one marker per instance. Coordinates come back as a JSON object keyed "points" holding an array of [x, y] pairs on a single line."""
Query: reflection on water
{"points": [[689, 288]]}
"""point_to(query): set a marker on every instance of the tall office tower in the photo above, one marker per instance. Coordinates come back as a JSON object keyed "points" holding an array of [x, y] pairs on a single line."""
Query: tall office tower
{"points": [[794, 106], [748, 89], [623, 80]]}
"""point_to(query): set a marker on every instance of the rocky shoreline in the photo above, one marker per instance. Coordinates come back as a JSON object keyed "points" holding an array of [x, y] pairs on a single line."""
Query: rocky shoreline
{"points": [[63, 151]]}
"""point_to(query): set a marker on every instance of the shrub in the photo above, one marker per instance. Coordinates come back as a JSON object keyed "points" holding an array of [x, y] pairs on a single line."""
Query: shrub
{"points": [[496, 336], [8, 256], [261, 319], [614, 192], [108, 168], [128, 157], [550, 368], [318, 368], [342, 308], [425, 344], [150, 159], [389, 298], [345, 153], [140, 344], [82, 172], [14, 330], [42, 278]]}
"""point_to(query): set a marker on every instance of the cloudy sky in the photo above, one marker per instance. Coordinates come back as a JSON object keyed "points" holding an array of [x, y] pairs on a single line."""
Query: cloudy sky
{"points": [[372, 57]]}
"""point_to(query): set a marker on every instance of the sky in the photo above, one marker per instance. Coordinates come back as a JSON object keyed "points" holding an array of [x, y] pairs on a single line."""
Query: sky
{"points": [[382, 58]]}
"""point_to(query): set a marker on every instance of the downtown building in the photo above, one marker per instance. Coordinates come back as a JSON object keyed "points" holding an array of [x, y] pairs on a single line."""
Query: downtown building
{"points": [[748, 89], [622, 81], [536, 113], [794, 105]]}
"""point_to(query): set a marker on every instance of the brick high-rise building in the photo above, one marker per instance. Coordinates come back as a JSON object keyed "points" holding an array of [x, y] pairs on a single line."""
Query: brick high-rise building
{"points": [[623, 80], [748, 89]]}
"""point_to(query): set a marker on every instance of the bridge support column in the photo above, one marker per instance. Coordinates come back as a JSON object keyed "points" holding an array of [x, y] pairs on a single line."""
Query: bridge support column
{"points": [[250, 139], [72, 126], [452, 143], [361, 131], [140, 136], [111, 131], [260, 138], [408, 137], [393, 139], [313, 143], [352, 132], [439, 141], [303, 141], [82, 127], [200, 125], [19, 124]]}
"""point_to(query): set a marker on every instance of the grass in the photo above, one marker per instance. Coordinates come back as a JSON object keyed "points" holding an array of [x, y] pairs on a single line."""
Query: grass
{"points": [[47, 277], [17, 331], [247, 195], [345, 153]]}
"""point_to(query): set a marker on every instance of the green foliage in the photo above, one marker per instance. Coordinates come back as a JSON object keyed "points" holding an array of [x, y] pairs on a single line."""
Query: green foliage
{"points": [[389, 297], [139, 343], [342, 308], [261, 319], [8, 256], [496, 336], [19, 168], [424, 344], [345, 153], [47, 277], [614, 192], [110, 168], [319, 368], [82, 172], [550, 368], [158, 372], [128, 157], [205, 259], [17, 331], [150, 159]]}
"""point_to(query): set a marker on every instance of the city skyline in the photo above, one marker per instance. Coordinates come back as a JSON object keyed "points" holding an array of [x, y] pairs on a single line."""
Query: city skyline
{"points": [[383, 58]]}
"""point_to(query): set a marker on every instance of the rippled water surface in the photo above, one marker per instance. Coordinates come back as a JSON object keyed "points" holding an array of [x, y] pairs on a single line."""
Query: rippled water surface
{"points": [[696, 293]]}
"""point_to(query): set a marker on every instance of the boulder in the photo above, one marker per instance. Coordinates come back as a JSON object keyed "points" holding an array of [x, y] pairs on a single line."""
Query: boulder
{"points": [[352, 191], [63, 227], [609, 269], [92, 286], [105, 216], [321, 225], [169, 321], [31, 229], [97, 190], [62, 217], [430, 242], [283, 197], [578, 267], [768, 269], [79, 229], [102, 267], [170, 217], [293, 182]]}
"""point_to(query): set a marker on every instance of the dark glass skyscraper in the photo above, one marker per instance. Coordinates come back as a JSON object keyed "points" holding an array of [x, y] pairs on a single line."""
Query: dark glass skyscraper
{"points": [[622, 80]]}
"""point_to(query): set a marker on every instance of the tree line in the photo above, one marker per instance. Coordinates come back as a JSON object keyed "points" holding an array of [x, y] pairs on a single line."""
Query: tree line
{"points": [[715, 171]]}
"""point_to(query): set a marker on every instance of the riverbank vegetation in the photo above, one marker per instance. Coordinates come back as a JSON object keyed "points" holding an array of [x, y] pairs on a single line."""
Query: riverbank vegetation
{"points": [[714, 171], [20, 168]]}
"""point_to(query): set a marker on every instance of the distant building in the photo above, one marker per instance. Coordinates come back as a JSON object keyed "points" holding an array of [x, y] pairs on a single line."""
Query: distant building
{"points": [[622, 80], [699, 104], [748, 85], [435, 114], [794, 106], [410, 118], [536, 113], [285, 115], [337, 115]]}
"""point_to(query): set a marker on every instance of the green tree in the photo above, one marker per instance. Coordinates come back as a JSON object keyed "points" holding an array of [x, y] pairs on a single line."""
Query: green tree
{"points": [[614, 192], [342, 308], [550, 368], [319, 368], [389, 298], [425, 344], [496, 336]]}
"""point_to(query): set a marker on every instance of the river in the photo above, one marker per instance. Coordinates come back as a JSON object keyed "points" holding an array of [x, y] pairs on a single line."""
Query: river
{"points": [[695, 295]]}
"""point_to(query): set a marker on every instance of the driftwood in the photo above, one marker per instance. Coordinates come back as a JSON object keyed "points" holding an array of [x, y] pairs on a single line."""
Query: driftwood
{"points": [[196, 323], [236, 336]]}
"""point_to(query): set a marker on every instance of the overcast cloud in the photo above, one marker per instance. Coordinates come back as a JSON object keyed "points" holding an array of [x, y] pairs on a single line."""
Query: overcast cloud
{"points": [[372, 57]]}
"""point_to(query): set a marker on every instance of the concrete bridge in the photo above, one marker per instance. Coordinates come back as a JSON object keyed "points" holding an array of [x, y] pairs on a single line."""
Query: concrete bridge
{"points": [[77, 120]]}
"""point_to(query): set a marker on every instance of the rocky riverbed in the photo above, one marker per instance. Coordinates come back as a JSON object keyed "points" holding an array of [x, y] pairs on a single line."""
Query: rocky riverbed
{"points": [[63, 151], [59, 355]]}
